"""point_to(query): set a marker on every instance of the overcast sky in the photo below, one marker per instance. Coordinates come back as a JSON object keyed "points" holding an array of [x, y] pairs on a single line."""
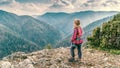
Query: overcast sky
{"points": [[38, 7]]}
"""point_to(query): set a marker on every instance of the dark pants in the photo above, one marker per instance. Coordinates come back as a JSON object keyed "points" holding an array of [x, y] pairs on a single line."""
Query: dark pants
{"points": [[78, 48]]}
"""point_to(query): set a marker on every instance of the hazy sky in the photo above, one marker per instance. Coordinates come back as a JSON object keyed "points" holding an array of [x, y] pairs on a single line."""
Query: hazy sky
{"points": [[38, 7]]}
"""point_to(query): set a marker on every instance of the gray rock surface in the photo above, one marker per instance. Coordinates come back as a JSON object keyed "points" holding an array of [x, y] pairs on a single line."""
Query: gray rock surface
{"points": [[58, 58]]}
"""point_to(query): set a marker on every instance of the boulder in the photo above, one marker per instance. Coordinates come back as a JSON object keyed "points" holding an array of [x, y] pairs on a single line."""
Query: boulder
{"points": [[5, 64]]}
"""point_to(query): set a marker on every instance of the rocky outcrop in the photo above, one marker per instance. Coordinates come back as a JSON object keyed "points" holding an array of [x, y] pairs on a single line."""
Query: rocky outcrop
{"points": [[58, 58], [5, 64]]}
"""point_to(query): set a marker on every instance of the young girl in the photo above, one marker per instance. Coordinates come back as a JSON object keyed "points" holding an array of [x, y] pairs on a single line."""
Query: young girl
{"points": [[76, 41]]}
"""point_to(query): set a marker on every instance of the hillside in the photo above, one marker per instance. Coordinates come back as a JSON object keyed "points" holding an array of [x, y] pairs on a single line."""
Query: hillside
{"points": [[65, 20], [58, 58], [89, 28], [24, 33], [87, 31], [30, 28], [11, 42]]}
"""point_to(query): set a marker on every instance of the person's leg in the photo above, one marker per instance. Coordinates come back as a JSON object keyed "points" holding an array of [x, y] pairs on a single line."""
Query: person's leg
{"points": [[79, 51], [72, 50], [72, 59]]}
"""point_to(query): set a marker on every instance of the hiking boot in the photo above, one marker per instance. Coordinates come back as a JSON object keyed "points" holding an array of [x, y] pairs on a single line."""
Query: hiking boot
{"points": [[71, 59]]}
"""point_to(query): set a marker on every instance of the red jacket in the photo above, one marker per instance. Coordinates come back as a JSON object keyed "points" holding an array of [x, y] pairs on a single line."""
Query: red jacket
{"points": [[77, 34]]}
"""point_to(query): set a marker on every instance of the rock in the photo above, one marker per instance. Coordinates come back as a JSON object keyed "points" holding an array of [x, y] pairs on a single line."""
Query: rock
{"points": [[105, 59], [54, 66], [58, 58], [44, 62], [63, 65], [34, 59], [5, 64], [25, 64]]}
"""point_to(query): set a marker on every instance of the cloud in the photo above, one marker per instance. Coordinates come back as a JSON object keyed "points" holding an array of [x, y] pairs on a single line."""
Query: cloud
{"points": [[62, 5], [101, 5], [38, 7], [25, 8], [33, 1]]}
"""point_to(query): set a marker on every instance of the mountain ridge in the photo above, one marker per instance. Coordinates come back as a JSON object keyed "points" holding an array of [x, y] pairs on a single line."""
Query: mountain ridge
{"points": [[26, 32], [16, 23], [86, 17]]}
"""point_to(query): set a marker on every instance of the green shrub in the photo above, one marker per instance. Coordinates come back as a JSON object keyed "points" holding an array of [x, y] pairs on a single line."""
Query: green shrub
{"points": [[49, 46], [107, 37]]}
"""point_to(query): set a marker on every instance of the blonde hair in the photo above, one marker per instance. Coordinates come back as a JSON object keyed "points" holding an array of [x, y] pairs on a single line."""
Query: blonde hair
{"points": [[77, 22]]}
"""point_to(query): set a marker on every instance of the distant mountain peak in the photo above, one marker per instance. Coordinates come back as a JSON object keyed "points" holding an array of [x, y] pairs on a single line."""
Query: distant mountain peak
{"points": [[55, 13], [2, 12]]}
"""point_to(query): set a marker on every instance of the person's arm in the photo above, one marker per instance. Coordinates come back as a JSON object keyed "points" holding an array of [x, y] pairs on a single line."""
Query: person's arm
{"points": [[74, 35]]}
